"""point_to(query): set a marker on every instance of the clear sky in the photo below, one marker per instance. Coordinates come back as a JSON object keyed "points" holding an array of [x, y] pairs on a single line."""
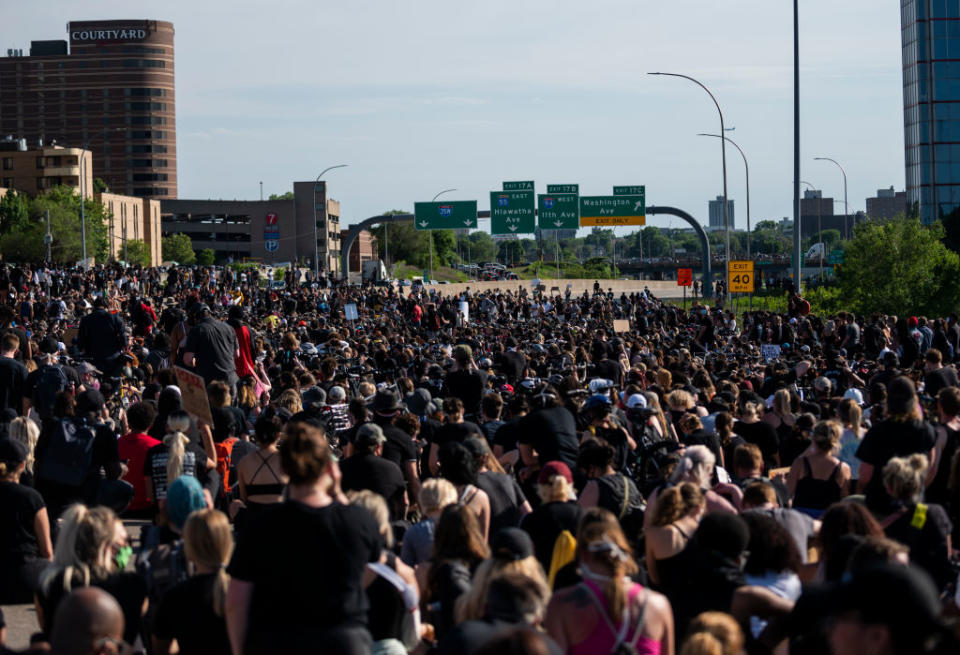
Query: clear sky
{"points": [[424, 95]]}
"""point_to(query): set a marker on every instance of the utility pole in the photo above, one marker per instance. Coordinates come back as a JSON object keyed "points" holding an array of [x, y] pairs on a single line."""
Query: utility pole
{"points": [[48, 238]]}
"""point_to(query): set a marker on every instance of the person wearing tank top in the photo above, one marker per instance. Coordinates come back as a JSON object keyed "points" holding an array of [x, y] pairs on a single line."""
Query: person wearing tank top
{"points": [[817, 478], [608, 612]]}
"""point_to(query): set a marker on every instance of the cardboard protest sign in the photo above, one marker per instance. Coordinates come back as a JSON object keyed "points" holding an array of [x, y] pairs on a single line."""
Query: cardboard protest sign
{"points": [[621, 325], [193, 394]]}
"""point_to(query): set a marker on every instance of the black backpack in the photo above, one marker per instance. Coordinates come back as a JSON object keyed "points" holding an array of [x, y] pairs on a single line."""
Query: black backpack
{"points": [[69, 452], [51, 381]]}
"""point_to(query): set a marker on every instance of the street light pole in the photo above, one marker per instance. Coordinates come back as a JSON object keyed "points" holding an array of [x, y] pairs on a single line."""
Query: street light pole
{"points": [[316, 249], [430, 232], [846, 207], [723, 151], [797, 264], [746, 168]]}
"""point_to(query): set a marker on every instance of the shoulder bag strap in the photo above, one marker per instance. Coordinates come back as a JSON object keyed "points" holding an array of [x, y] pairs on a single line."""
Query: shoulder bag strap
{"points": [[626, 496], [641, 620], [620, 634]]}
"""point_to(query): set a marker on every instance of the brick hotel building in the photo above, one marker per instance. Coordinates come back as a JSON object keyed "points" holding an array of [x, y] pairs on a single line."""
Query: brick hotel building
{"points": [[108, 87]]}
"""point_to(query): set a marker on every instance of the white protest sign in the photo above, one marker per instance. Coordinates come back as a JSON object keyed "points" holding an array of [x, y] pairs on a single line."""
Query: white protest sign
{"points": [[350, 309], [465, 311], [770, 352]]}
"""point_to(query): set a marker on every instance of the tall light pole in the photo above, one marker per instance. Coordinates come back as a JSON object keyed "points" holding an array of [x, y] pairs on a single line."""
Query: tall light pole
{"points": [[846, 207], [316, 218], [797, 263], [819, 227], [746, 168], [723, 151], [430, 232], [83, 175]]}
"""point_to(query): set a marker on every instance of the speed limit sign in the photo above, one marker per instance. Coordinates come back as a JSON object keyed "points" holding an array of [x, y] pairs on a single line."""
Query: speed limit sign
{"points": [[741, 276]]}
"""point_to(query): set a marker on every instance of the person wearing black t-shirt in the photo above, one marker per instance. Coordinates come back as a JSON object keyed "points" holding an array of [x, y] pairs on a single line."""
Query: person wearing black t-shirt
{"points": [[550, 430], [367, 469], [937, 376], [760, 433], [13, 374], [904, 433], [399, 446], [466, 382], [454, 429], [312, 594]]}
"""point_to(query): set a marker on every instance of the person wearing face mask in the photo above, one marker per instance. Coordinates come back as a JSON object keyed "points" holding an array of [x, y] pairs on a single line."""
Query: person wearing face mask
{"points": [[92, 550], [608, 612]]}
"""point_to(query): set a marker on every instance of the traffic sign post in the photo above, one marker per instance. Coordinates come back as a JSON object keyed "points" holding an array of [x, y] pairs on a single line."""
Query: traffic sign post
{"points": [[452, 215], [684, 279], [518, 186], [611, 211], [740, 276], [512, 212], [558, 212]]}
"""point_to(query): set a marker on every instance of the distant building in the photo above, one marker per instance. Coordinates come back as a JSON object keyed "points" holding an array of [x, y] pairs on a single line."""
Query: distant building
{"points": [[263, 230], [887, 204], [814, 204], [108, 87], [35, 170], [132, 219], [364, 249], [715, 208], [930, 34]]}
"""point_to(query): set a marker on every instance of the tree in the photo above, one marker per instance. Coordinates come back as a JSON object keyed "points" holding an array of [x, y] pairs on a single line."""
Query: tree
{"points": [[900, 267], [206, 257], [23, 222], [99, 186], [283, 196], [482, 247], [178, 248], [138, 252]]}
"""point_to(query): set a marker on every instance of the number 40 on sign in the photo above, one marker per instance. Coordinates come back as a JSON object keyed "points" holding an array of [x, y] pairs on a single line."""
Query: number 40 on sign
{"points": [[741, 276]]}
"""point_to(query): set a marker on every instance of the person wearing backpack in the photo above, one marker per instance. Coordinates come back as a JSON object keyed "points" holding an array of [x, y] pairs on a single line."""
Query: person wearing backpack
{"points": [[73, 448], [50, 378]]}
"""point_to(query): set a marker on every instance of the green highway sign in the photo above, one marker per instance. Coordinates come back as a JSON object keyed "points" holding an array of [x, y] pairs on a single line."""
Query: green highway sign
{"points": [[451, 215], [518, 186], [563, 188], [611, 211], [637, 190], [511, 212], [836, 257], [558, 211]]}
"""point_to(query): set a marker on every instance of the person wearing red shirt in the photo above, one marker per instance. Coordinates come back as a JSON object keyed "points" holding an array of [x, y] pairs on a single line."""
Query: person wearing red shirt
{"points": [[133, 448]]}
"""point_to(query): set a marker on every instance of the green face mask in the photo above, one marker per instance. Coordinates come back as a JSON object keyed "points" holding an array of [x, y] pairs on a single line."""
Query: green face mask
{"points": [[123, 557]]}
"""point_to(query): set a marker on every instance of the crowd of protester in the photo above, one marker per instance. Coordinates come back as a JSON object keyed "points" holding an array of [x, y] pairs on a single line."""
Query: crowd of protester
{"points": [[483, 472]]}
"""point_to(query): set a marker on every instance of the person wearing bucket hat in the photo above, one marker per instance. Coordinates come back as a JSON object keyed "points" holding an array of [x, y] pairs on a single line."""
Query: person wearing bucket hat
{"points": [[26, 549], [903, 433], [399, 447]]}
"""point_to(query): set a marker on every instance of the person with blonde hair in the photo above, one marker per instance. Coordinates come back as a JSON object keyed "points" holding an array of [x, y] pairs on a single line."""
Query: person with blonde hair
{"points": [[851, 417], [923, 527], [818, 478], [607, 612], [27, 432], [192, 612], [391, 586], [512, 552], [92, 549], [673, 520], [290, 400], [176, 455], [435, 494], [713, 633], [558, 513]]}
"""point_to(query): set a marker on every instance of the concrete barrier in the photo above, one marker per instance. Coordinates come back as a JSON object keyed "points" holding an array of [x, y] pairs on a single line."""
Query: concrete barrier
{"points": [[660, 288]]}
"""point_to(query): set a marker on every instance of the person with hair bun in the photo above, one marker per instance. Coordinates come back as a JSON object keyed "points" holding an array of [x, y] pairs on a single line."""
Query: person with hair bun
{"points": [[192, 613], [309, 592], [924, 528], [176, 455], [818, 478], [713, 633], [608, 612]]}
